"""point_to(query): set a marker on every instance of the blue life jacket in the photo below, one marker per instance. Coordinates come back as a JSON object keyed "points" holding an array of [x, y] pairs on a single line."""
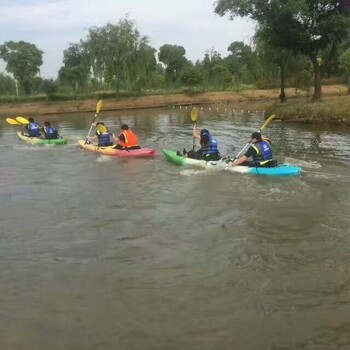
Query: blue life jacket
{"points": [[211, 147], [104, 139], [263, 152], [51, 133], [34, 129]]}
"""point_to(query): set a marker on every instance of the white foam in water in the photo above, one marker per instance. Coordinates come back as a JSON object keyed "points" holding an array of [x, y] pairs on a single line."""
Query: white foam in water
{"points": [[104, 158], [192, 172], [302, 163]]}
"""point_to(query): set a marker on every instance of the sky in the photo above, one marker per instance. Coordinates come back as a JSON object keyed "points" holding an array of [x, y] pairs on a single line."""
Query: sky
{"points": [[53, 24]]}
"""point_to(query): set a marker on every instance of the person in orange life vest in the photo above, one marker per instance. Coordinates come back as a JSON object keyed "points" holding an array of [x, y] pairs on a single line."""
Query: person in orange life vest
{"points": [[102, 135], [260, 151], [127, 139]]}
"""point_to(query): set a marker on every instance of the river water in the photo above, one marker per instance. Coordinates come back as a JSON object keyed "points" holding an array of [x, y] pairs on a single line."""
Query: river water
{"points": [[107, 253]]}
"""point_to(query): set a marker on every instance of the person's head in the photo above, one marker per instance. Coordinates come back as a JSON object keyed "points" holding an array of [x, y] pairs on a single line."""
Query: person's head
{"points": [[204, 131], [31, 120], [125, 127], [256, 137], [47, 123], [100, 123]]}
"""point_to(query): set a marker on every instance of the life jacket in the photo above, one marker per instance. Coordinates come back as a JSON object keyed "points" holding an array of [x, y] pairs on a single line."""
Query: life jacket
{"points": [[263, 152], [211, 147], [131, 139], [104, 138], [51, 133], [34, 129]]}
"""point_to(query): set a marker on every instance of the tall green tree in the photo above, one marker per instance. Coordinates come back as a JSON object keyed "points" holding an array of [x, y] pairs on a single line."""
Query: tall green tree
{"points": [[23, 61], [173, 57], [118, 54], [304, 26], [76, 70]]}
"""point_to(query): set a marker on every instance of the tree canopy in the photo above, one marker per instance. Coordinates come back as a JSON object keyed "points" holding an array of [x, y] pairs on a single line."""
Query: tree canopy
{"points": [[23, 61], [303, 26]]}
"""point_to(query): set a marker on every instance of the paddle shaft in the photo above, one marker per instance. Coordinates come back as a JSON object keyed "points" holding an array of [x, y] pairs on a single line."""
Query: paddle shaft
{"points": [[98, 107]]}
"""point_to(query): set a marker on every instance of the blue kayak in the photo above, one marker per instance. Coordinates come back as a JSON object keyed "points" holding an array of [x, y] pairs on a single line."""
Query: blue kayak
{"points": [[280, 170]]}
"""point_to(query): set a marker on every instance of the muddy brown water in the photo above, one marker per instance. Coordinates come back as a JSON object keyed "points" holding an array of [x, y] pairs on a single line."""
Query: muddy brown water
{"points": [[107, 253]]}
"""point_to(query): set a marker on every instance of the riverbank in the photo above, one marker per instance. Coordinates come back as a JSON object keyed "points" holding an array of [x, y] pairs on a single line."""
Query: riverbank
{"points": [[255, 99]]}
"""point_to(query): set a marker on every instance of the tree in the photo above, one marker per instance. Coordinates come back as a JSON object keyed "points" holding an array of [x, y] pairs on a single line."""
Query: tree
{"points": [[345, 65], [191, 77], [75, 71], [23, 61], [118, 55], [173, 57], [7, 85], [304, 26]]}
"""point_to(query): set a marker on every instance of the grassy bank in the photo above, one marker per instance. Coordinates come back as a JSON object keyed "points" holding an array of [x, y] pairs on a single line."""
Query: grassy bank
{"points": [[333, 110]]}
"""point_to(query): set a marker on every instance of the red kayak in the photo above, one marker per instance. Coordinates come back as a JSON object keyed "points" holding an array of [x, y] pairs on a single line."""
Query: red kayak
{"points": [[111, 151]]}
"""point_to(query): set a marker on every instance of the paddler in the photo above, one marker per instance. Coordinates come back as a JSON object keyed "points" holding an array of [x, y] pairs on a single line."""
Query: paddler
{"points": [[260, 151], [127, 139], [208, 146], [102, 135]]}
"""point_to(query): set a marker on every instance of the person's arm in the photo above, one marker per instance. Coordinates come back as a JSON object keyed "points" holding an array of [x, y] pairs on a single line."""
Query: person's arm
{"points": [[266, 139], [121, 140], [240, 160], [195, 134], [251, 152]]}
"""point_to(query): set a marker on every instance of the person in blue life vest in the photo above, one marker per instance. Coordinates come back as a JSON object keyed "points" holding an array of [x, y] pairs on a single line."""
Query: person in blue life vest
{"points": [[260, 151], [208, 146], [33, 128], [103, 136], [49, 131]]}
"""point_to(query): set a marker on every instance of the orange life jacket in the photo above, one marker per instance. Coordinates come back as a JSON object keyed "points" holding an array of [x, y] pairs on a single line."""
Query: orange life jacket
{"points": [[131, 139]]}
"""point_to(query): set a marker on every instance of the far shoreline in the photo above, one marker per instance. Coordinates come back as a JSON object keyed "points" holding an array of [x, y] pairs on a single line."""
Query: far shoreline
{"points": [[256, 99]]}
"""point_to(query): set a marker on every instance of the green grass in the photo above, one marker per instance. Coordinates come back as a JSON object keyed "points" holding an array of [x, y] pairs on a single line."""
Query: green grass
{"points": [[335, 110]]}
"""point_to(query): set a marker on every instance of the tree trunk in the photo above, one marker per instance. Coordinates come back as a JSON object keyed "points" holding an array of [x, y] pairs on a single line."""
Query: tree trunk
{"points": [[282, 96], [317, 80]]}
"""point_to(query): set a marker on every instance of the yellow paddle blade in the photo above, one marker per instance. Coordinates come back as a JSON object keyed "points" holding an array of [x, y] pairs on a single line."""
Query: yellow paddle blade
{"points": [[22, 120], [268, 120], [98, 107], [194, 114], [12, 121]]}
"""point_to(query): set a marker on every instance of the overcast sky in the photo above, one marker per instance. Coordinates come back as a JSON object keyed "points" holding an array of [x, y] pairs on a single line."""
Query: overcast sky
{"points": [[52, 24]]}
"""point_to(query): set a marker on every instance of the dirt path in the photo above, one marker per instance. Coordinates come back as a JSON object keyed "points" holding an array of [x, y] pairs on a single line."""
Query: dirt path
{"points": [[36, 108]]}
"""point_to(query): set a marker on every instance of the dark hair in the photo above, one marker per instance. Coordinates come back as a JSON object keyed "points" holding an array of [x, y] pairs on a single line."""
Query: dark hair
{"points": [[31, 120], [256, 135], [124, 127], [100, 123], [47, 123], [204, 131]]}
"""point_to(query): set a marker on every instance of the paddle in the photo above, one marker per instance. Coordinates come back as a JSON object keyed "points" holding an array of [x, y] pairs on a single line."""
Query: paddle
{"points": [[194, 119], [98, 107], [268, 120], [12, 121], [22, 120]]}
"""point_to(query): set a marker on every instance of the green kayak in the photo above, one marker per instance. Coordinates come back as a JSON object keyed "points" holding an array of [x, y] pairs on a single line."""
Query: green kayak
{"points": [[38, 141]]}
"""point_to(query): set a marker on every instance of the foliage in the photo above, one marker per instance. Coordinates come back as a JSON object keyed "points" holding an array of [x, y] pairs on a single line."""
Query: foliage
{"points": [[23, 61], [7, 85], [174, 59], [190, 76], [304, 26], [119, 56], [345, 65], [76, 70]]}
